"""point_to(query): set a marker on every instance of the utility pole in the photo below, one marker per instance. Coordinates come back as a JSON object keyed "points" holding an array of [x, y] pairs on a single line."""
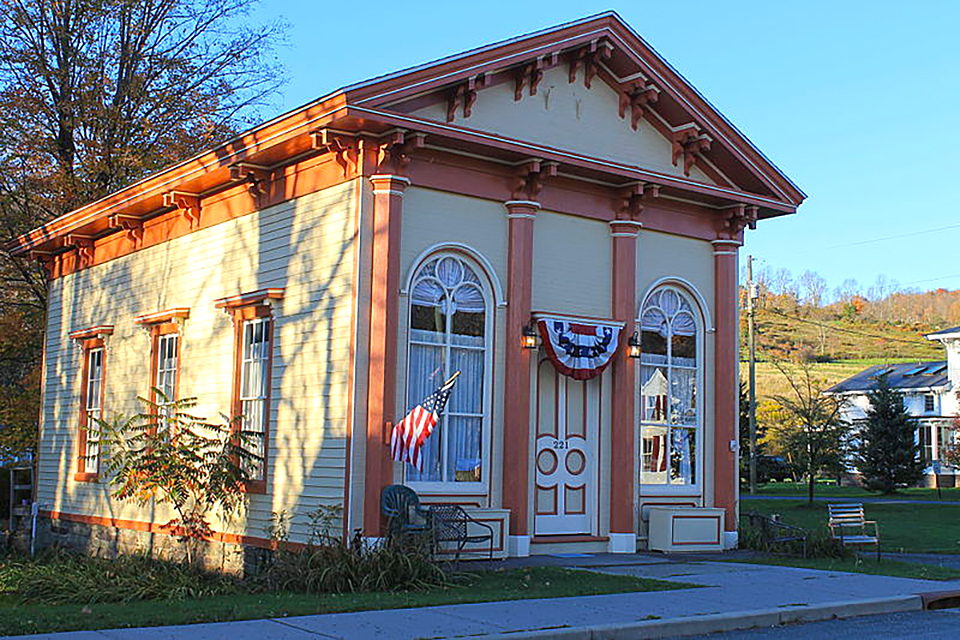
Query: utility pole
{"points": [[752, 346]]}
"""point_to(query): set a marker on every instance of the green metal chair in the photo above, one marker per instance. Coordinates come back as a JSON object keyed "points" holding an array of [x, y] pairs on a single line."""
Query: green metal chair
{"points": [[405, 516]]}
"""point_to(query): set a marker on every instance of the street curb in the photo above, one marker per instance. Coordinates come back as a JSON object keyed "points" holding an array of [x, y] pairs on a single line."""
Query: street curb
{"points": [[734, 621]]}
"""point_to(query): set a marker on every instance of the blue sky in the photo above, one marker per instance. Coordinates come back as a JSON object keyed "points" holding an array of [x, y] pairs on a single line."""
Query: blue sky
{"points": [[852, 99]]}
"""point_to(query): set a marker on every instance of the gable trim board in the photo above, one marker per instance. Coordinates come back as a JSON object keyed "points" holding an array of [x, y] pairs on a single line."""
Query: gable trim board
{"points": [[352, 193]]}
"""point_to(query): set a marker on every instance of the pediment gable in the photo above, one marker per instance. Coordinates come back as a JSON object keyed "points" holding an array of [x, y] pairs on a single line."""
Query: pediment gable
{"points": [[592, 87]]}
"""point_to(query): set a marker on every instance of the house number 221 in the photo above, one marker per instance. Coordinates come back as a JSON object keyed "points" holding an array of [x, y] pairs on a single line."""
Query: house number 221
{"points": [[561, 444]]}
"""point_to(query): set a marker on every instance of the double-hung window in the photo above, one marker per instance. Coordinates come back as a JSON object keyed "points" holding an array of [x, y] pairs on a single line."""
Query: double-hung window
{"points": [[254, 389], [92, 344], [166, 344], [93, 410], [253, 322]]}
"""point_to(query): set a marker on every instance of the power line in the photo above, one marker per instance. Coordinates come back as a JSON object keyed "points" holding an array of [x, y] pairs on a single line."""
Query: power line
{"points": [[898, 236], [842, 330], [955, 275]]}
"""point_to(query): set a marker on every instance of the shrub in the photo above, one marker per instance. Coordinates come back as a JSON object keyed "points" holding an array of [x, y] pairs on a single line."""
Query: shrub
{"points": [[59, 577], [820, 544], [328, 565], [171, 457]]}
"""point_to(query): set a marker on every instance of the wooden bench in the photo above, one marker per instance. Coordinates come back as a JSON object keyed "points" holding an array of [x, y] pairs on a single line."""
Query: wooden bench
{"points": [[848, 524]]}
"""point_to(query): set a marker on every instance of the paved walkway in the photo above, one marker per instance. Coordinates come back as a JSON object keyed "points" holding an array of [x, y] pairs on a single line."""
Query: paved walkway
{"points": [[733, 595], [949, 503]]}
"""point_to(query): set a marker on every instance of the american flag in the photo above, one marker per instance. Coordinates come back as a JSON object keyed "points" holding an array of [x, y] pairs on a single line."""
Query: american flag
{"points": [[410, 434]]}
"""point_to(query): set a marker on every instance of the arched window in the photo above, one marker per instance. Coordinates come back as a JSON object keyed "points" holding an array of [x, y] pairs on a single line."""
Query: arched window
{"points": [[670, 371], [450, 330]]}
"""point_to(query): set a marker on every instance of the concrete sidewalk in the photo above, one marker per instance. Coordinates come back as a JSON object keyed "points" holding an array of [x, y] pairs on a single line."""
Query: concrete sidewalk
{"points": [[734, 596]]}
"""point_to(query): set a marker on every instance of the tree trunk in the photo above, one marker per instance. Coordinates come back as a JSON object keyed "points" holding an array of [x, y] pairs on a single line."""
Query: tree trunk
{"points": [[811, 479]]}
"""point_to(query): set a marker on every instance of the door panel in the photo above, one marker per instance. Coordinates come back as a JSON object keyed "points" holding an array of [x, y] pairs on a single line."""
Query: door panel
{"points": [[567, 421]]}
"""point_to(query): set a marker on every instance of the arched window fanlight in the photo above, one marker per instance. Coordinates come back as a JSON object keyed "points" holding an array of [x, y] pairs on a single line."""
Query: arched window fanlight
{"points": [[670, 370], [449, 318]]}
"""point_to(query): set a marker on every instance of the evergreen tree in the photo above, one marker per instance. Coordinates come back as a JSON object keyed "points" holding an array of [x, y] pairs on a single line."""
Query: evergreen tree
{"points": [[888, 455]]}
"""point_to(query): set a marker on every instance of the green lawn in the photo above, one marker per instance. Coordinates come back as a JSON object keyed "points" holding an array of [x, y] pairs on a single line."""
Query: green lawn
{"points": [[485, 586], [930, 528], [865, 565], [830, 490]]}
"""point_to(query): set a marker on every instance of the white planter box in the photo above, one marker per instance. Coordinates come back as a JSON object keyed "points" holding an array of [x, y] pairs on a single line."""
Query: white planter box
{"points": [[685, 529]]}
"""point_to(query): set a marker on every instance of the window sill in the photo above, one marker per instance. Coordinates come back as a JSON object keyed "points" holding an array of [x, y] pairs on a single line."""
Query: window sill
{"points": [[668, 490], [86, 477], [451, 489]]}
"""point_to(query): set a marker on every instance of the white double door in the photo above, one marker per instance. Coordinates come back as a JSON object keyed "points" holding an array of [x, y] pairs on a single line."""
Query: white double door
{"points": [[565, 456]]}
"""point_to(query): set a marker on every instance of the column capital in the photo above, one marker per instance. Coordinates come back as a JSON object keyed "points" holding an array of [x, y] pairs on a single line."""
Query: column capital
{"points": [[389, 183], [522, 208], [726, 247], [625, 228]]}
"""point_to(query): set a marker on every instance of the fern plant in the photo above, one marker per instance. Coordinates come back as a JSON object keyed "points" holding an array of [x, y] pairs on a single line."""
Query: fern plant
{"points": [[168, 455]]}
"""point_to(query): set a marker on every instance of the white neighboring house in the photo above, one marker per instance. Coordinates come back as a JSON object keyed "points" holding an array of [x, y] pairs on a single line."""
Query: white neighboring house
{"points": [[929, 391]]}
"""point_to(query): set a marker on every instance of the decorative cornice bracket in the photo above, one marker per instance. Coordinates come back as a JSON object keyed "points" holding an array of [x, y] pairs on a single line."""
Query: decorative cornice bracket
{"points": [[531, 73], [396, 146], [688, 142], [345, 148], [632, 199], [187, 204], [589, 56], [84, 246], [739, 217], [465, 95], [529, 178], [638, 98], [132, 225], [257, 176]]}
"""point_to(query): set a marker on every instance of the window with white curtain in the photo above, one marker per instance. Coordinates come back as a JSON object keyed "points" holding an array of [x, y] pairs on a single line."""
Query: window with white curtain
{"points": [[449, 330], [670, 371]]}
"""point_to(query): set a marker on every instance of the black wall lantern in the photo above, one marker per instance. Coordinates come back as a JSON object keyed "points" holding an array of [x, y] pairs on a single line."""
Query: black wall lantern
{"points": [[633, 346]]}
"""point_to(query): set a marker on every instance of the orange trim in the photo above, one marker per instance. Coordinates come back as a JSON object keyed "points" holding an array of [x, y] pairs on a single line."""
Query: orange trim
{"points": [[88, 344], [516, 403], [260, 296], [158, 317], [158, 329], [153, 527], [93, 332], [384, 323], [623, 454], [242, 312], [673, 530], [725, 379]]}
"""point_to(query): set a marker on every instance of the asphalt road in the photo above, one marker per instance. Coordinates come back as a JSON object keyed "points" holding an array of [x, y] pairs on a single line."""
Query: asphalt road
{"points": [[924, 625]]}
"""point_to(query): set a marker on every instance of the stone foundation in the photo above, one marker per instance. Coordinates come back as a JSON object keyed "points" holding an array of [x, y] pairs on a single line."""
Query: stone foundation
{"points": [[109, 542]]}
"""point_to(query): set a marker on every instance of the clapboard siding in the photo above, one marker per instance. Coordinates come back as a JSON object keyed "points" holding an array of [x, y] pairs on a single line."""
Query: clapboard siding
{"points": [[305, 246]]}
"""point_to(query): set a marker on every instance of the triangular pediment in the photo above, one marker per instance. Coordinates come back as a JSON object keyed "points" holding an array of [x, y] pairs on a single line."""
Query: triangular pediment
{"points": [[592, 87]]}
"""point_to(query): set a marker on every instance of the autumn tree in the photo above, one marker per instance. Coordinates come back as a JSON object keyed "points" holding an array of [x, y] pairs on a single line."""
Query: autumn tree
{"points": [[813, 435], [96, 94]]}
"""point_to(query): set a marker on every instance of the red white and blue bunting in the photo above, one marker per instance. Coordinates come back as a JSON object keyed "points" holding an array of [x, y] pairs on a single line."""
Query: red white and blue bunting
{"points": [[578, 348]]}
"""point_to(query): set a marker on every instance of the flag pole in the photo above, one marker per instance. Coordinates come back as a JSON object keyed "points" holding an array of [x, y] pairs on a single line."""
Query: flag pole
{"points": [[452, 378]]}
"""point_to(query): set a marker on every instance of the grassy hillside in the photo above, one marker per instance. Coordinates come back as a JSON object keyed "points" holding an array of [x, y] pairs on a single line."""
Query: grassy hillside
{"points": [[837, 347]]}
